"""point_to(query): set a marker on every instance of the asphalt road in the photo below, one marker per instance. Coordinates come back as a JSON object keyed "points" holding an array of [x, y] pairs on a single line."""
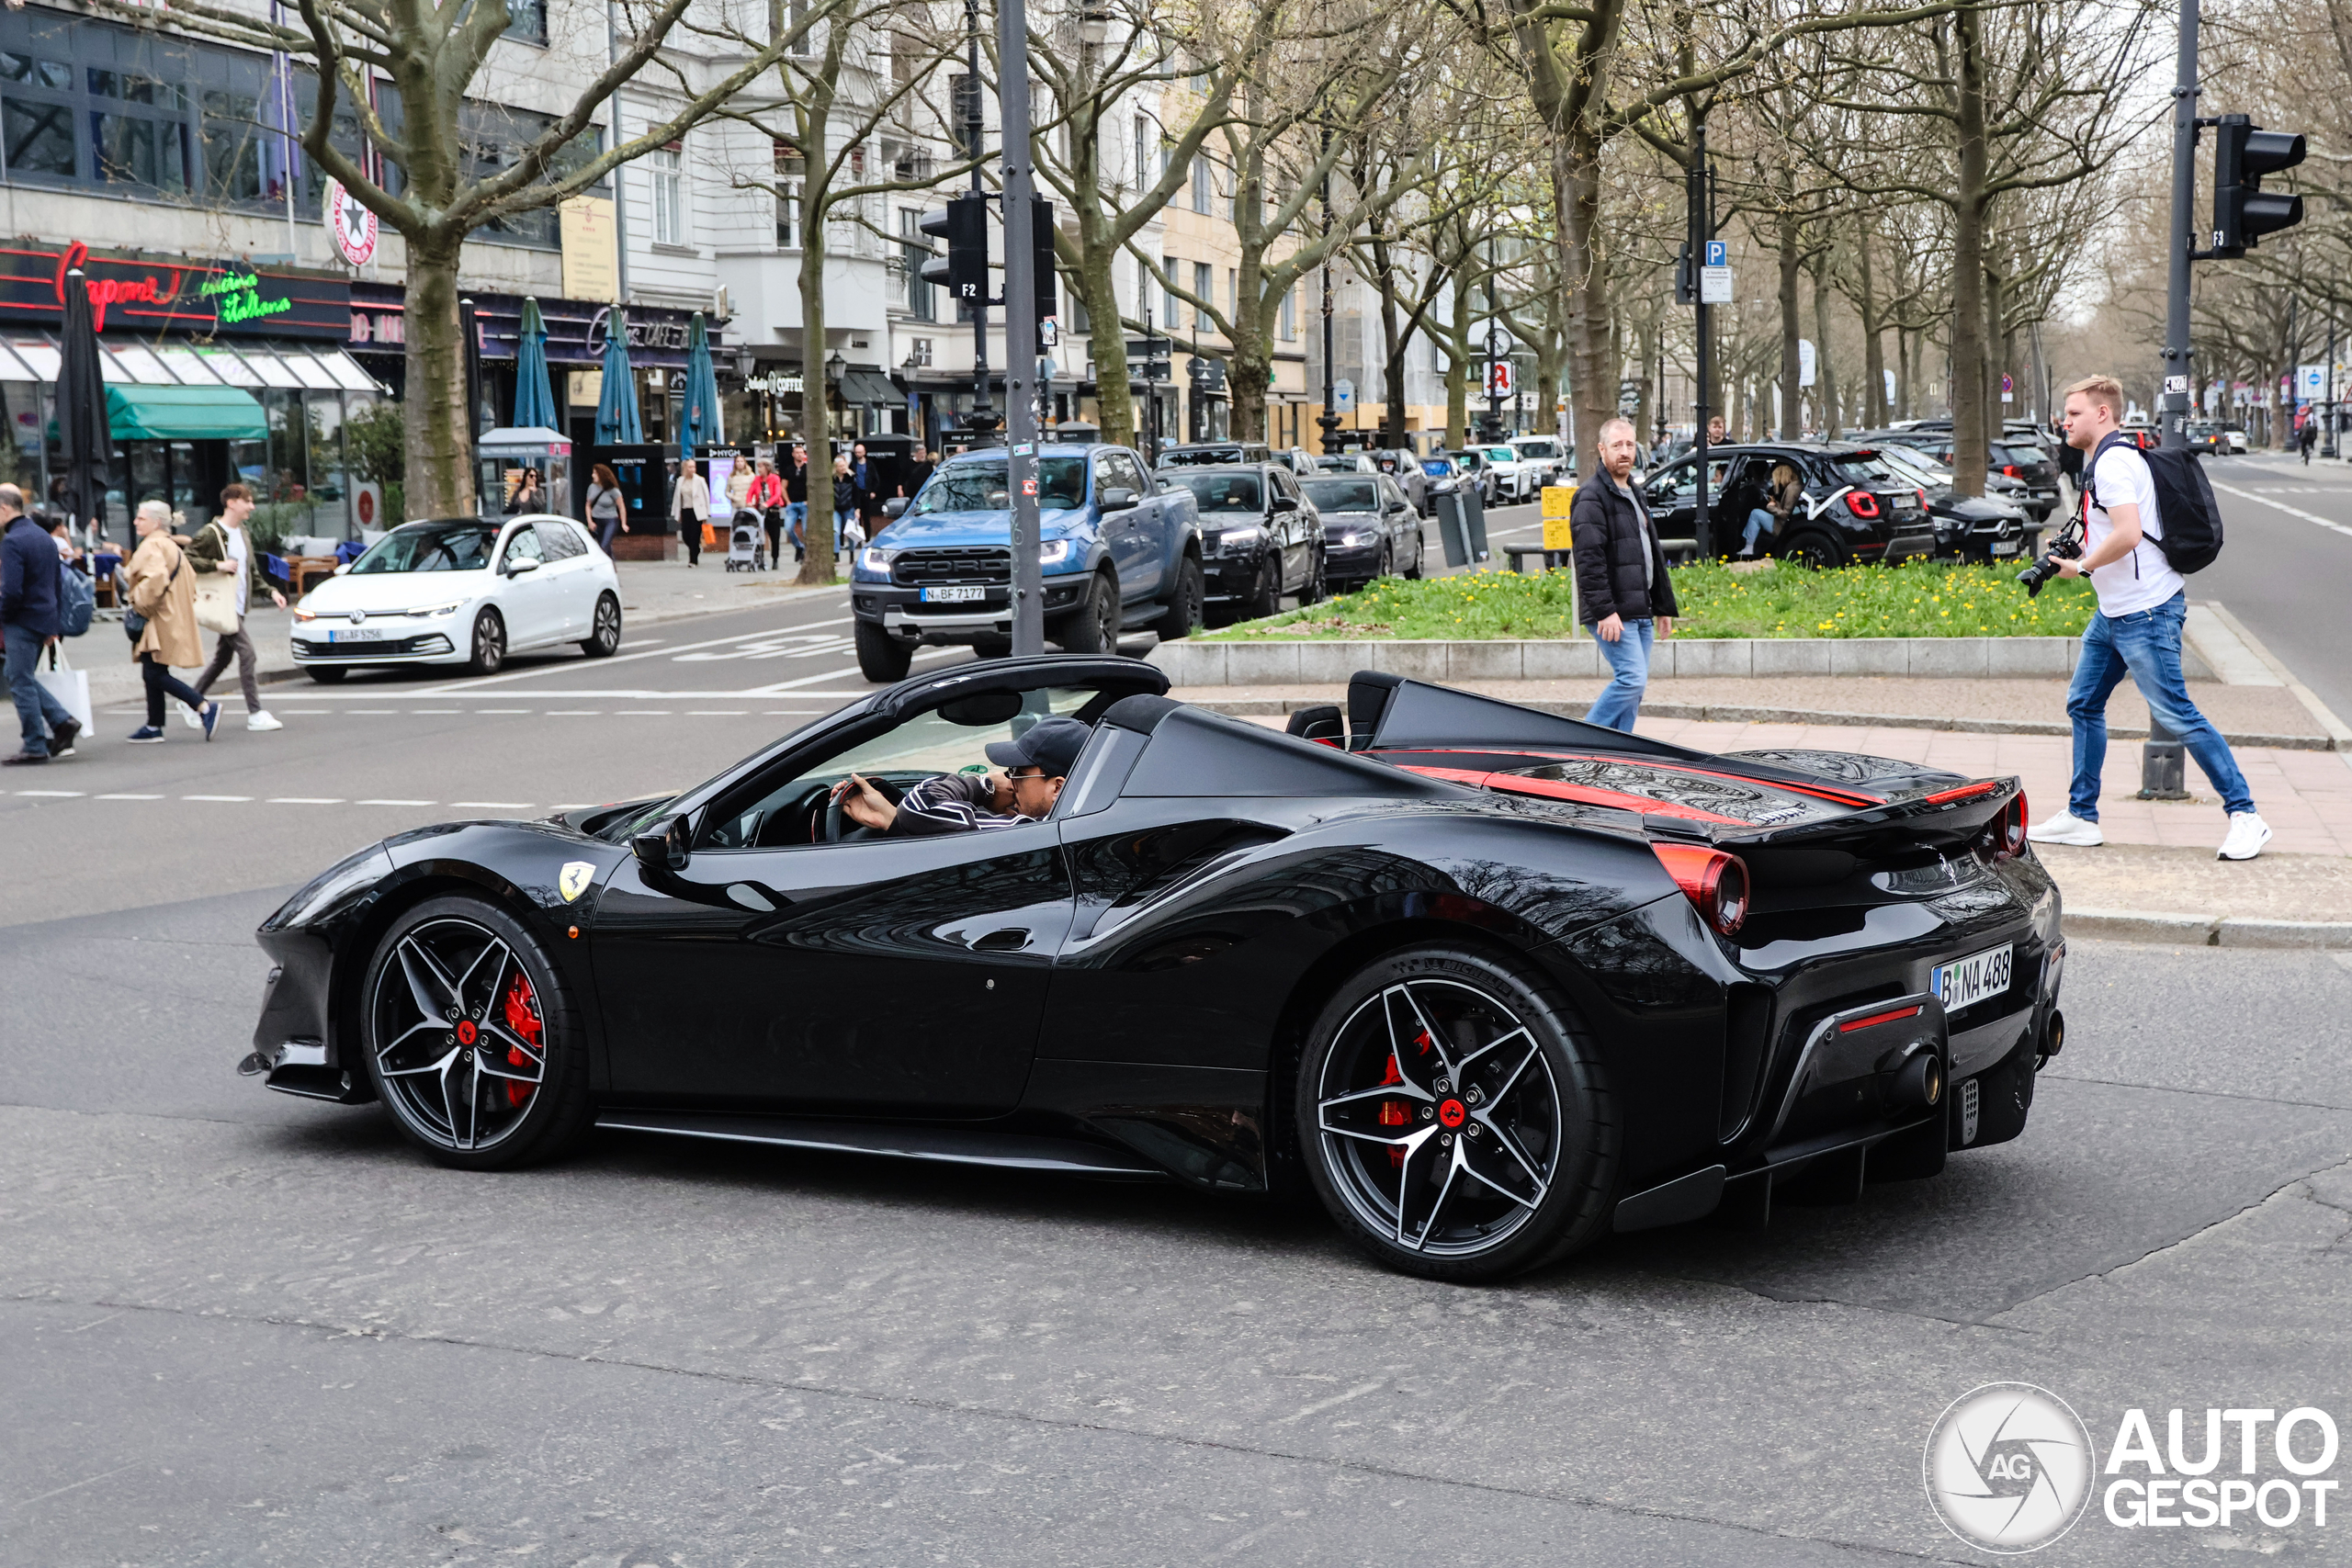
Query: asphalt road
{"points": [[2286, 565], [241, 1328]]}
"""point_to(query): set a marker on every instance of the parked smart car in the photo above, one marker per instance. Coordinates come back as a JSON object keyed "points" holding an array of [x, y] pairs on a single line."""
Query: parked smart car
{"points": [[461, 590], [1369, 529], [1260, 537], [1119, 553], [1857, 508]]}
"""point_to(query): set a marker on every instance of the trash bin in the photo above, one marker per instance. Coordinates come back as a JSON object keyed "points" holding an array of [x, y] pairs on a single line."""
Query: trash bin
{"points": [[1475, 524], [1452, 529]]}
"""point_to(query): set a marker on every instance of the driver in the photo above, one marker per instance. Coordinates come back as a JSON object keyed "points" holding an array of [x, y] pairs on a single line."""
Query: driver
{"points": [[1027, 779]]}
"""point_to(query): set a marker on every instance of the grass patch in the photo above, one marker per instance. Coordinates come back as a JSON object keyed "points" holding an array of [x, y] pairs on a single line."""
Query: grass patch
{"points": [[1918, 599]]}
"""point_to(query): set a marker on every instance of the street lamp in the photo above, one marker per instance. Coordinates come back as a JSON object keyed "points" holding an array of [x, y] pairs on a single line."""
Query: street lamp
{"points": [[835, 366]]}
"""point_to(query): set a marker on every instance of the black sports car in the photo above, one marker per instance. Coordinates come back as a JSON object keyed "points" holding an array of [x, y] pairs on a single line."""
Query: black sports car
{"points": [[1490, 982]]}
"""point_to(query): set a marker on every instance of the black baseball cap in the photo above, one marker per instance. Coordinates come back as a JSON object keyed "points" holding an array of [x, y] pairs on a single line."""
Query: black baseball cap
{"points": [[1051, 745]]}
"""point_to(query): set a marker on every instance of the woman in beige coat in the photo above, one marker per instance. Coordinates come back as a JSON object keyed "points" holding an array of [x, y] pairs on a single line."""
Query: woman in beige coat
{"points": [[162, 591]]}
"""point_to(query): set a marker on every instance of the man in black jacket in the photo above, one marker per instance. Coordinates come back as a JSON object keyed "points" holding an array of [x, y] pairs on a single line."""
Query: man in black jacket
{"points": [[1623, 589], [32, 604]]}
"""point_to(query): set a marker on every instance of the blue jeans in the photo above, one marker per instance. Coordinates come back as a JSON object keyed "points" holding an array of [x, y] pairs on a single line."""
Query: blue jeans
{"points": [[1759, 522], [842, 520], [34, 704], [795, 516], [2147, 646], [1629, 670]]}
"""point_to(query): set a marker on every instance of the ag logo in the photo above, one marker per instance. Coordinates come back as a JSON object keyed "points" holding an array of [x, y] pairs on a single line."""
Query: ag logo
{"points": [[2009, 1467], [577, 876]]}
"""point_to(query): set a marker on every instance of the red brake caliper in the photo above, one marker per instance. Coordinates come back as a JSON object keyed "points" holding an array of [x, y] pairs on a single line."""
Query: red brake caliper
{"points": [[522, 1010], [1395, 1113]]}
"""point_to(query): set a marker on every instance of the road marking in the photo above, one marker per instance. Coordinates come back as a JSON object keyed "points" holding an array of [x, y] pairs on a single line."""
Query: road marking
{"points": [[2289, 510], [573, 713], [371, 710], [436, 710], [398, 803], [641, 713], [446, 690], [127, 797], [304, 800], [480, 711], [715, 712], [219, 797], [489, 805], [53, 794]]}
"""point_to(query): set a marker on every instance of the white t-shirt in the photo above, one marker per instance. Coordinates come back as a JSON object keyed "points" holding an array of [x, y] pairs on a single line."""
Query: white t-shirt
{"points": [[2142, 580], [239, 553]]}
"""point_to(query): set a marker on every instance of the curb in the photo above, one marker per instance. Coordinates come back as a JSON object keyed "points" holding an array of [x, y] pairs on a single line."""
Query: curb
{"points": [[1329, 661], [2206, 930], [1242, 707]]}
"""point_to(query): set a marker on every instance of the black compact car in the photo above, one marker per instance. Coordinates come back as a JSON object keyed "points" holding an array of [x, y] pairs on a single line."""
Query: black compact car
{"points": [[1994, 526], [1490, 982], [1857, 508], [2021, 459], [1260, 539], [1369, 529], [1199, 452]]}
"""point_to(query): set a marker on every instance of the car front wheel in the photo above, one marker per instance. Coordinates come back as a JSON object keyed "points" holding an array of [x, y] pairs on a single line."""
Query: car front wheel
{"points": [[1183, 616], [489, 645], [326, 674], [1094, 626], [1453, 1122], [603, 637], [881, 657]]}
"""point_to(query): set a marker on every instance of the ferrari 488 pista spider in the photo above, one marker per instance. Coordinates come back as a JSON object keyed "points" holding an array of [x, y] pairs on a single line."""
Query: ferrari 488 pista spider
{"points": [[1488, 982]]}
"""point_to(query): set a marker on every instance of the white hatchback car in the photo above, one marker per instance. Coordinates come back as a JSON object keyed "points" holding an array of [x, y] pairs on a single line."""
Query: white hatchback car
{"points": [[461, 590]]}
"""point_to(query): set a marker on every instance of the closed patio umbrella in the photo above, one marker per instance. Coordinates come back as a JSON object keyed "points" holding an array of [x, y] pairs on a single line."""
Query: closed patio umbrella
{"points": [[616, 420], [85, 439], [534, 394], [701, 426]]}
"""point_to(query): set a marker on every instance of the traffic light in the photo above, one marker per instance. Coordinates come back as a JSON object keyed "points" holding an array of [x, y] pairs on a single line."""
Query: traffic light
{"points": [[1041, 250], [2242, 210], [964, 270]]}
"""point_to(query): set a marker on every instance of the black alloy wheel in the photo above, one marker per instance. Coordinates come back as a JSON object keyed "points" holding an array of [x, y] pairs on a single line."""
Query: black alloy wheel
{"points": [[603, 637], [1184, 604], [1317, 585], [1094, 626], [326, 674], [489, 644], [1453, 1123], [881, 657], [1420, 548], [1818, 552], [472, 1038]]}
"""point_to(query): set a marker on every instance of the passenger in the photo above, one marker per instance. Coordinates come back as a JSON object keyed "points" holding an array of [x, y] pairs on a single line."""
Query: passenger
{"points": [[1027, 779]]}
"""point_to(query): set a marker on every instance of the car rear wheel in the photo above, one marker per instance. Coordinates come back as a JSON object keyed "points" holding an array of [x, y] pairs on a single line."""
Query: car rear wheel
{"points": [[1183, 616], [489, 645], [1453, 1122], [605, 635], [1818, 551], [1094, 626], [471, 1039], [881, 657], [1266, 593], [326, 674], [1318, 584]]}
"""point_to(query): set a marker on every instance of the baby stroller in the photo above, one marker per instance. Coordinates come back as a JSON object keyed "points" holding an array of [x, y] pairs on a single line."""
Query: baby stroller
{"points": [[746, 542]]}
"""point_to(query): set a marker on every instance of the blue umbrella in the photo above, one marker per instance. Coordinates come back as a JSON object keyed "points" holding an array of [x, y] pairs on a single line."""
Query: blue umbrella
{"points": [[534, 393], [701, 426], [617, 421]]}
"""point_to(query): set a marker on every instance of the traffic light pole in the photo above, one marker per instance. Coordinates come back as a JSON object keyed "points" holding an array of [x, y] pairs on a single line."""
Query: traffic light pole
{"points": [[1020, 327], [983, 416], [1703, 223], [2177, 379]]}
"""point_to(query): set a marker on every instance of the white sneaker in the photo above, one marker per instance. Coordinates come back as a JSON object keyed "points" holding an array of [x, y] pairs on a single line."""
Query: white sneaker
{"points": [[190, 717], [2066, 829], [2247, 834], [262, 718]]}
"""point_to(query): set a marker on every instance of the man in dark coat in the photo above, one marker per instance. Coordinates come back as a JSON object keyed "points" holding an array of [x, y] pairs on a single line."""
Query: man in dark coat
{"points": [[1623, 592], [32, 608]]}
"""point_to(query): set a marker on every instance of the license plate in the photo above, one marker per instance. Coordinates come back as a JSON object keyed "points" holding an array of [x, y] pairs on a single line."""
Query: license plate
{"points": [[955, 594], [356, 634], [1973, 979], [2004, 546]]}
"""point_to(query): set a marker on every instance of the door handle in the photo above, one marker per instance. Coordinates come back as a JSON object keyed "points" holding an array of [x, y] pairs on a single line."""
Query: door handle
{"points": [[1011, 939]]}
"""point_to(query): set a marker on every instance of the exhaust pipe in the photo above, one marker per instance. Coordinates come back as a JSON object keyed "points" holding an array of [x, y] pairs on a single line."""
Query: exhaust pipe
{"points": [[1918, 1084]]}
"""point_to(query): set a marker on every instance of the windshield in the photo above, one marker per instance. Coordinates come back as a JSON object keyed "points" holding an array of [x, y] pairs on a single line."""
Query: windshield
{"points": [[2024, 454], [1904, 460], [1860, 467], [455, 545], [1539, 448], [979, 485], [1501, 454], [1222, 493], [1437, 468], [1343, 495]]}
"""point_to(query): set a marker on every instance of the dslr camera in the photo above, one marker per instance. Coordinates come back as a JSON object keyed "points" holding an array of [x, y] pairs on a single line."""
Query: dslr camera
{"points": [[2067, 545]]}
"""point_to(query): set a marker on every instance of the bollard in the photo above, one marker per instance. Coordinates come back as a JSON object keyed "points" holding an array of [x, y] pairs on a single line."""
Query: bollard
{"points": [[2161, 767], [1451, 531]]}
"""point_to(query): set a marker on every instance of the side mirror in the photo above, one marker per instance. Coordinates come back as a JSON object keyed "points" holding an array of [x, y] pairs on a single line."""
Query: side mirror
{"points": [[894, 507], [1284, 503], [663, 847], [517, 567], [1118, 498]]}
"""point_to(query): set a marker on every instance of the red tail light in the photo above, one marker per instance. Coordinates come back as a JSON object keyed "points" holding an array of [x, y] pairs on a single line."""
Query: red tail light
{"points": [[1923, 501], [1861, 503], [2010, 470], [2004, 837], [1715, 882]]}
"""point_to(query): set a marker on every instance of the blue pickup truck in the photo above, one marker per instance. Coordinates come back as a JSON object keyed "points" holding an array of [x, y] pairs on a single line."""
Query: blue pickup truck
{"points": [[1119, 553]]}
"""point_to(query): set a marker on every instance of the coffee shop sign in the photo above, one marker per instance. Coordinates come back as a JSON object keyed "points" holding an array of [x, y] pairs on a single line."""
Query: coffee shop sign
{"points": [[641, 334]]}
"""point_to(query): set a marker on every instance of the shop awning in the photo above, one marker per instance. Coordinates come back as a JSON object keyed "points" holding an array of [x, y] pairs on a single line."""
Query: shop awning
{"points": [[185, 413], [125, 362], [859, 386]]}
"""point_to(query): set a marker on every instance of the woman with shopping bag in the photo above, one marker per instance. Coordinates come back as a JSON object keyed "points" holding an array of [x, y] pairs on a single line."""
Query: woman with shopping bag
{"points": [[161, 622], [690, 509]]}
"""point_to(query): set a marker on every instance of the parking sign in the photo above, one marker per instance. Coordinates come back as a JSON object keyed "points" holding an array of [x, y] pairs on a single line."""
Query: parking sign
{"points": [[1718, 253]]}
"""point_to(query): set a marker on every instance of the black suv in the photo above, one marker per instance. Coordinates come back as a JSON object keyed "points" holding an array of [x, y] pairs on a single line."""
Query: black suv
{"points": [[1856, 507], [1370, 528], [1260, 537]]}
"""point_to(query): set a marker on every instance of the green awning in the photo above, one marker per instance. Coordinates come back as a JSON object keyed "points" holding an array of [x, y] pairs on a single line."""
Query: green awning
{"points": [[184, 413]]}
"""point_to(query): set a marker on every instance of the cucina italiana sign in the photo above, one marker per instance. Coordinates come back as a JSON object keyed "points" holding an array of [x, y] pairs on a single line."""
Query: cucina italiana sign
{"points": [[150, 293]]}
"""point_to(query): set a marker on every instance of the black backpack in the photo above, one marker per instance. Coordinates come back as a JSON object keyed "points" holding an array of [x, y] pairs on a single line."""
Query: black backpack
{"points": [[2190, 520]]}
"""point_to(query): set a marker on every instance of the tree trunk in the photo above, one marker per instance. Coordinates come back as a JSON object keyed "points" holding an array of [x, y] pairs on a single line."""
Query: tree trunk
{"points": [[1969, 437], [1107, 340], [1791, 415], [816, 567], [1902, 373], [1825, 383], [1457, 370], [1584, 277], [1251, 372], [439, 443], [1873, 350], [1997, 364]]}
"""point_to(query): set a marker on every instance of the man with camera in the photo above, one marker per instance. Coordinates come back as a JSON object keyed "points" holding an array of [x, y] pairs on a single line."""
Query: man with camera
{"points": [[2142, 604]]}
